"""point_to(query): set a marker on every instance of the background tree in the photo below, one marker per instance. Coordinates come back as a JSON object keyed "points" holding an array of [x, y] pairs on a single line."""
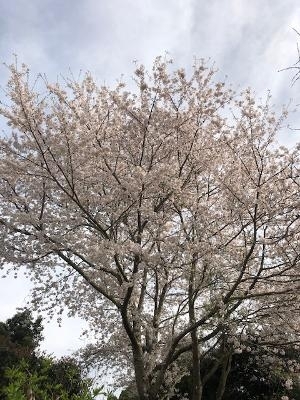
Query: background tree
{"points": [[167, 217], [19, 339], [24, 371], [43, 383]]}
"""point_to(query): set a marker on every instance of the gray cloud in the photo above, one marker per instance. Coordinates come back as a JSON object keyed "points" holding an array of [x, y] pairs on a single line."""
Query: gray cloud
{"points": [[106, 36], [101, 36]]}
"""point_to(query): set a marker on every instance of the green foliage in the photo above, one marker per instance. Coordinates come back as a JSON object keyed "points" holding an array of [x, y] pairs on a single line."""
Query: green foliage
{"points": [[22, 382], [23, 372], [25, 331], [19, 338]]}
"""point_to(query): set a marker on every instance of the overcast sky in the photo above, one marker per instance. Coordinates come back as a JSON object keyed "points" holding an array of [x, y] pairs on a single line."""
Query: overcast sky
{"points": [[249, 41]]}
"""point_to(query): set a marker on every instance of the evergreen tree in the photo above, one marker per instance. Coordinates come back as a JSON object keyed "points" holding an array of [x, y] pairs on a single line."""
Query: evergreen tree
{"points": [[25, 372]]}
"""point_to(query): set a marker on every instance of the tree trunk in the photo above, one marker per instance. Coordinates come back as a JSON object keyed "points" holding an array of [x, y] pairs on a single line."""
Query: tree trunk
{"points": [[140, 377], [142, 385], [223, 378], [196, 376]]}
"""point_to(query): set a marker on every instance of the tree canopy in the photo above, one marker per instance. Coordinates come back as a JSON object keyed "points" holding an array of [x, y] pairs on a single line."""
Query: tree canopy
{"points": [[25, 373], [19, 338], [168, 217]]}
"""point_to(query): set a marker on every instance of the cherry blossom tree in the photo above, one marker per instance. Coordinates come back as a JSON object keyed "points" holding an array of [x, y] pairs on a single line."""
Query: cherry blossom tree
{"points": [[168, 217]]}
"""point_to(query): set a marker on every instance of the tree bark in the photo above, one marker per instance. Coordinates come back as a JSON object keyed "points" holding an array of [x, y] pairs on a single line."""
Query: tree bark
{"points": [[196, 373], [196, 376], [223, 378], [140, 378]]}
